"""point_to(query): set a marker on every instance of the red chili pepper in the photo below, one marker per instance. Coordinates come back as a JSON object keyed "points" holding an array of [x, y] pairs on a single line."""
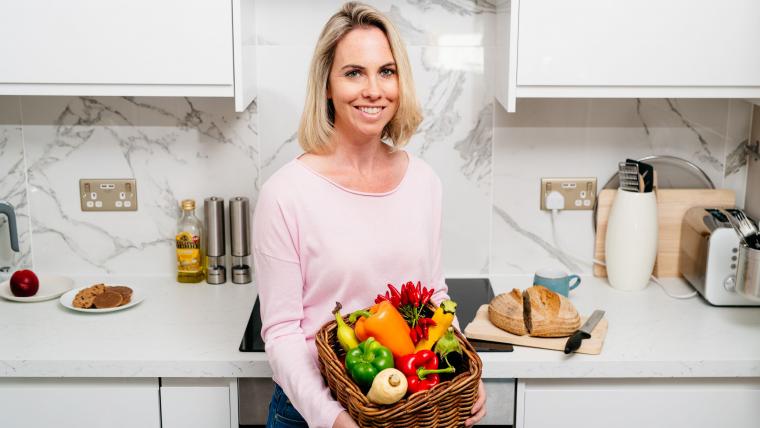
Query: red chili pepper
{"points": [[392, 296], [421, 370], [428, 295], [394, 292], [413, 336]]}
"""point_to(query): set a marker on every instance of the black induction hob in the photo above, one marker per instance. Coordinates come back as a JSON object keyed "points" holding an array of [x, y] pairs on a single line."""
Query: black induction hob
{"points": [[469, 293]]}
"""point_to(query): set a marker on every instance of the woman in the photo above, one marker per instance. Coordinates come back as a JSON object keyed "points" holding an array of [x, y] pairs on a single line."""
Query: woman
{"points": [[350, 215]]}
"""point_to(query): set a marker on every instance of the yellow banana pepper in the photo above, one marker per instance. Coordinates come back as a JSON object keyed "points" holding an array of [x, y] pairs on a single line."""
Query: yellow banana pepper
{"points": [[345, 334], [443, 318]]}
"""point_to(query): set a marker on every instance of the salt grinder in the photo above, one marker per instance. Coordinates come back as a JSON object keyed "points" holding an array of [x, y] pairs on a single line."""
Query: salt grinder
{"points": [[241, 247], [216, 272]]}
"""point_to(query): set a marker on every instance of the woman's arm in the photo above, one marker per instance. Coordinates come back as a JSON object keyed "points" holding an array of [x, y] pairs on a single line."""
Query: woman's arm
{"points": [[280, 286]]}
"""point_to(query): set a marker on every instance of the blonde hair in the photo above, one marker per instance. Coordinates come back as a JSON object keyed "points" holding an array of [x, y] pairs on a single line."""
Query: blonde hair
{"points": [[318, 118]]}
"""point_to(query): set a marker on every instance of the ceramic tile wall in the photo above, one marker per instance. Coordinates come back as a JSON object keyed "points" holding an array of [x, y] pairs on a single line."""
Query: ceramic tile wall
{"points": [[580, 138], [13, 187], [489, 161], [446, 42], [753, 173], [174, 147]]}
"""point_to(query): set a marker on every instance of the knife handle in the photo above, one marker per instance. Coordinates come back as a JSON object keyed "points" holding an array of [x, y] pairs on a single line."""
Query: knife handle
{"points": [[574, 342]]}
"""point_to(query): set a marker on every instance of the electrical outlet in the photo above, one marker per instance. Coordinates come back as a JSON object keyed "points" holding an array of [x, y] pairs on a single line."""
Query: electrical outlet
{"points": [[579, 193], [102, 194]]}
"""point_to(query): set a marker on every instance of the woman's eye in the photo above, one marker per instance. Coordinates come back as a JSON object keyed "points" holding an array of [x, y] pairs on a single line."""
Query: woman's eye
{"points": [[387, 72], [352, 73]]}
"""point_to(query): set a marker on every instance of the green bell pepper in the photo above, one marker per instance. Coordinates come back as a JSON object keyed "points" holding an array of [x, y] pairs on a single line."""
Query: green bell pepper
{"points": [[367, 360]]}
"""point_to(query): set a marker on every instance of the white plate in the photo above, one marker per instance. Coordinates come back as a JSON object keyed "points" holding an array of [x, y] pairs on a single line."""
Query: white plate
{"points": [[67, 299], [51, 286]]}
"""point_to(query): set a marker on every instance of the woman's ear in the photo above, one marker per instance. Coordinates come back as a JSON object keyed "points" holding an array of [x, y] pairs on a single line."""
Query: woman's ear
{"points": [[329, 92]]}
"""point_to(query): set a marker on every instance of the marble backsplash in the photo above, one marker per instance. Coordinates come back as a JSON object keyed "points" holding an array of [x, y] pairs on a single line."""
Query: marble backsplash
{"points": [[489, 161]]}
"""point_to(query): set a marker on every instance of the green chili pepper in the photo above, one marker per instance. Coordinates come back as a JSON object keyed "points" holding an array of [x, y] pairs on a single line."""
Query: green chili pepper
{"points": [[367, 360]]}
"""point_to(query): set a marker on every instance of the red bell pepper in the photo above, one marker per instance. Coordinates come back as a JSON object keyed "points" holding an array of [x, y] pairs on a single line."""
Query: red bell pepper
{"points": [[421, 370]]}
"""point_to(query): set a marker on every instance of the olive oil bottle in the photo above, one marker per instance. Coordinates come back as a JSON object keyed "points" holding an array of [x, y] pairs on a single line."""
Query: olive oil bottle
{"points": [[189, 249]]}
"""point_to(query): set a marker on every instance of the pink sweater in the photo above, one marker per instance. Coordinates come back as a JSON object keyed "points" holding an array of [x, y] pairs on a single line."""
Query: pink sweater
{"points": [[315, 243]]}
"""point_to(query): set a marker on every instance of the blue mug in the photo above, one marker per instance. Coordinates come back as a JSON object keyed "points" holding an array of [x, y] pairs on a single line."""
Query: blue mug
{"points": [[556, 280]]}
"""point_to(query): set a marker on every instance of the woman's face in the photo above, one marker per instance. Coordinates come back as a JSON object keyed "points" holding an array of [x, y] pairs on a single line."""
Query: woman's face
{"points": [[363, 84]]}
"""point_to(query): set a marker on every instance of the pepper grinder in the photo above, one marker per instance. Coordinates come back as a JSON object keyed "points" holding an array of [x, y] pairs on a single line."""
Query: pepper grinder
{"points": [[241, 248], [216, 271]]}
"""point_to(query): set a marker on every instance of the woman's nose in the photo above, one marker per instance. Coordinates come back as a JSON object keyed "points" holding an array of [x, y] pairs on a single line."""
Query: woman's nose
{"points": [[372, 89]]}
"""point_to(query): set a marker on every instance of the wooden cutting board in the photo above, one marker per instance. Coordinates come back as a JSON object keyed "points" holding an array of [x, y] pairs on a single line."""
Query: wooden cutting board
{"points": [[481, 328], [672, 204]]}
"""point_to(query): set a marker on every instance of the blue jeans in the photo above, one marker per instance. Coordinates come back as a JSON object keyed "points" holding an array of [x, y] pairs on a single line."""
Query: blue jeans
{"points": [[282, 414]]}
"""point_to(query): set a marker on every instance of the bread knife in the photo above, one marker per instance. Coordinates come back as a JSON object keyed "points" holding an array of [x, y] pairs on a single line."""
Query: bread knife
{"points": [[574, 342]]}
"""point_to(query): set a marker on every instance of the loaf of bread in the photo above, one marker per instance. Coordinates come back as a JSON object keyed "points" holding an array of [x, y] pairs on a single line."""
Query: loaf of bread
{"points": [[548, 314], [506, 312], [537, 311]]}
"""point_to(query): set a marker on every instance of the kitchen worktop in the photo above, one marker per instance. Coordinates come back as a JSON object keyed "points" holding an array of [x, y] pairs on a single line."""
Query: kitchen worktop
{"points": [[179, 330], [195, 330]]}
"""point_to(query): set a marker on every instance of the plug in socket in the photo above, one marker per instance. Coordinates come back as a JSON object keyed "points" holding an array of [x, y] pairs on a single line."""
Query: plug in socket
{"points": [[96, 194], [579, 193]]}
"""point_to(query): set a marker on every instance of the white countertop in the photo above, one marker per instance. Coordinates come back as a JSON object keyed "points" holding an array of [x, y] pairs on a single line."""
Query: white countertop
{"points": [[183, 330], [179, 330], [650, 335]]}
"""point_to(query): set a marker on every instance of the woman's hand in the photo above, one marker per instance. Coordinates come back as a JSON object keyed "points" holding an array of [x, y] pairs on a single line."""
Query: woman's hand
{"points": [[344, 421], [479, 408]]}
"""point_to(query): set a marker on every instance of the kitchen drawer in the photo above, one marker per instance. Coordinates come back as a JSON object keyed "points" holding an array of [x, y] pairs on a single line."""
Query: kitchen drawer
{"points": [[636, 403], [78, 402], [198, 403]]}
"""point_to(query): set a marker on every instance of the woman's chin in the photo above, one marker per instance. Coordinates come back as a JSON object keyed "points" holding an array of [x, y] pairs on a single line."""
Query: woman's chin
{"points": [[374, 130]]}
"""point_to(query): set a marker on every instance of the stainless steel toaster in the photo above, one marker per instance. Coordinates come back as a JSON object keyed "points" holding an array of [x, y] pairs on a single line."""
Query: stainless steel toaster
{"points": [[709, 256]]}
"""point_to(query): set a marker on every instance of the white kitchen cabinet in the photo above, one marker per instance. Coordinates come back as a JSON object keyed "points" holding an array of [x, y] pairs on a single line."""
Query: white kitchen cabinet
{"points": [[193, 48], [500, 402], [630, 49], [199, 403], [636, 403], [78, 402]]}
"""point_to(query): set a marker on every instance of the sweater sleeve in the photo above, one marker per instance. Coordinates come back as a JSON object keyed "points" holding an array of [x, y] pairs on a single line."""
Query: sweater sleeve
{"points": [[439, 282], [441, 289], [280, 284]]}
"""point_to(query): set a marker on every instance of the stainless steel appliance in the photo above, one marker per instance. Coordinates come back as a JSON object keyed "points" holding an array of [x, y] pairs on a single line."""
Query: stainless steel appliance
{"points": [[748, 273], [254, 393], [709, 256]]}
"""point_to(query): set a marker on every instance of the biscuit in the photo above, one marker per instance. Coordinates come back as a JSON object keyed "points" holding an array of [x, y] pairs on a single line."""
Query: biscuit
{"points": [[98, 288], [126, 292], [108, 299], [83, 300]]}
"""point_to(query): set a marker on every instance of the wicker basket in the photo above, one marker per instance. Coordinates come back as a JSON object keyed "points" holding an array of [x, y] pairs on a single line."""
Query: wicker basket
{"points": [[448, 404]]}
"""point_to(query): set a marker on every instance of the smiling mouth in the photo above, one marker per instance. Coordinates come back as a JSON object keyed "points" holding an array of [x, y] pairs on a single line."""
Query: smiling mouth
{"points": [[370, 110]]}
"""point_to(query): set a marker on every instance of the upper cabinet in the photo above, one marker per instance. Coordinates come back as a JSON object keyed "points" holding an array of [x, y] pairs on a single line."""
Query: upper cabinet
{"points": [[628, 49], [193, 48]]}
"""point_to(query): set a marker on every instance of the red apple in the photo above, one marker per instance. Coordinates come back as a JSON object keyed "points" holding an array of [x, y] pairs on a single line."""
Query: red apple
{"points": [[24, 283]]}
